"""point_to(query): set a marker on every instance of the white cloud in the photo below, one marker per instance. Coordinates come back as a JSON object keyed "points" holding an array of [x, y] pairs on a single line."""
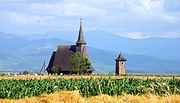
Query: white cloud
{"points": [[134, 35], [143, 16], [141, 10], [152, 4], [143, 35], [67, 9], [151, 10], [23, 19], [75, 9], [18, 18], [143, 6]]}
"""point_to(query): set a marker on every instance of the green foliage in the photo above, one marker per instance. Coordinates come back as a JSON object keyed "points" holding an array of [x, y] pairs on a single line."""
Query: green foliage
{"points": [[88, 87], [79, 63], [55, 70], [3, 75], [85, 64], [26, 72], [75, 61]]}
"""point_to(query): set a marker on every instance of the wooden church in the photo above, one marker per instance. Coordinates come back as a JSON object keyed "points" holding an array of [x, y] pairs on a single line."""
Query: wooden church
{"points": [[60, 58]]}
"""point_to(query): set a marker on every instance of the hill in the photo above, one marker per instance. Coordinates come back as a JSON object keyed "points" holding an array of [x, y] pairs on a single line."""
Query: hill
{"points": [[162, 48], [29, 52]]}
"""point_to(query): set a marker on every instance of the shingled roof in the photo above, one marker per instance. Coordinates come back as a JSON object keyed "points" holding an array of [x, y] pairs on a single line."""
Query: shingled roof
{"points": [[51, 61], [120, 58], [62, 56], [80, 37]]}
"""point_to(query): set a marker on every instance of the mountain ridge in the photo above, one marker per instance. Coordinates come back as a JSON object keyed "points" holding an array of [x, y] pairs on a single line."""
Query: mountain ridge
{"points": [[109, 41], [31, 53]]}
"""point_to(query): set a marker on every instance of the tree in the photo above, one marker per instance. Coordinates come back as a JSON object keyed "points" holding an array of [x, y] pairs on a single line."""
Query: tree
{"points": [[85, 64], [26, 72], [79, 63], [55, 70], [75, 61]]}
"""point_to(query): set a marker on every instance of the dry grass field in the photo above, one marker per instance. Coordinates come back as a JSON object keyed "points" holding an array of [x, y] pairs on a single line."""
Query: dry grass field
{"points": [[74, 97], [84, 76]]}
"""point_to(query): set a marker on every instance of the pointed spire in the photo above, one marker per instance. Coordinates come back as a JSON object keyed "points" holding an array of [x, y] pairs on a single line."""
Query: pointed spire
{"points": [[80, 38], [120, 58]]}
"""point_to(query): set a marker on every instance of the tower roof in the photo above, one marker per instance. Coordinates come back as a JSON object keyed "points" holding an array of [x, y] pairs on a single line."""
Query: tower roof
{"points": [[80, 37], [120, 58]]}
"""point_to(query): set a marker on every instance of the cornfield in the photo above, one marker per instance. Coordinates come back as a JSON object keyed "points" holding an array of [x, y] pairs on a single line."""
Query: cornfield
{"points": [[16, 89]]}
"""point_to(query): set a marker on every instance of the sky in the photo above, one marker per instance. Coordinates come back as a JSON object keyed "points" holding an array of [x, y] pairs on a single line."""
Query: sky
{"points": [[137, 19]]}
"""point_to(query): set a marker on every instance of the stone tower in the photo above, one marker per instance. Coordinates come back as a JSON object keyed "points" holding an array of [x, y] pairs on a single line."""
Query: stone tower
{"points": [[120, 65], [81, 44]]}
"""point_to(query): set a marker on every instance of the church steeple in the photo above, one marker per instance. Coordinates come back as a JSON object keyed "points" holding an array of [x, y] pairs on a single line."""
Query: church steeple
{"points": [[80, 40]]}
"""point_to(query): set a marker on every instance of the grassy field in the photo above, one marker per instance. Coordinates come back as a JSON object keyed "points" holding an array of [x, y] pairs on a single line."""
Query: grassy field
{"points": [[88, 89], [75, 97]]}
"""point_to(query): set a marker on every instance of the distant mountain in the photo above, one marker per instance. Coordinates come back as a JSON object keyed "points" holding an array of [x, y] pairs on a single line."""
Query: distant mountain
{"points": [[162, 48], [22, 53], [104, 61]]}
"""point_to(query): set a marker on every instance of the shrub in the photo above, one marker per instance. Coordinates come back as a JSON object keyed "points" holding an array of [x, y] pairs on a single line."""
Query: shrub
{"points": [[26, 72]]}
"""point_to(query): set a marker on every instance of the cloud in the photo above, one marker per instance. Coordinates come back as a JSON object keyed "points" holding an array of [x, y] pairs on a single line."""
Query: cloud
{"points": [[134, 35], [23, 19], [18, 18], [145, 35], [151, 10], [144, 7], [75, 9], [137, 18], [67, 9]]}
